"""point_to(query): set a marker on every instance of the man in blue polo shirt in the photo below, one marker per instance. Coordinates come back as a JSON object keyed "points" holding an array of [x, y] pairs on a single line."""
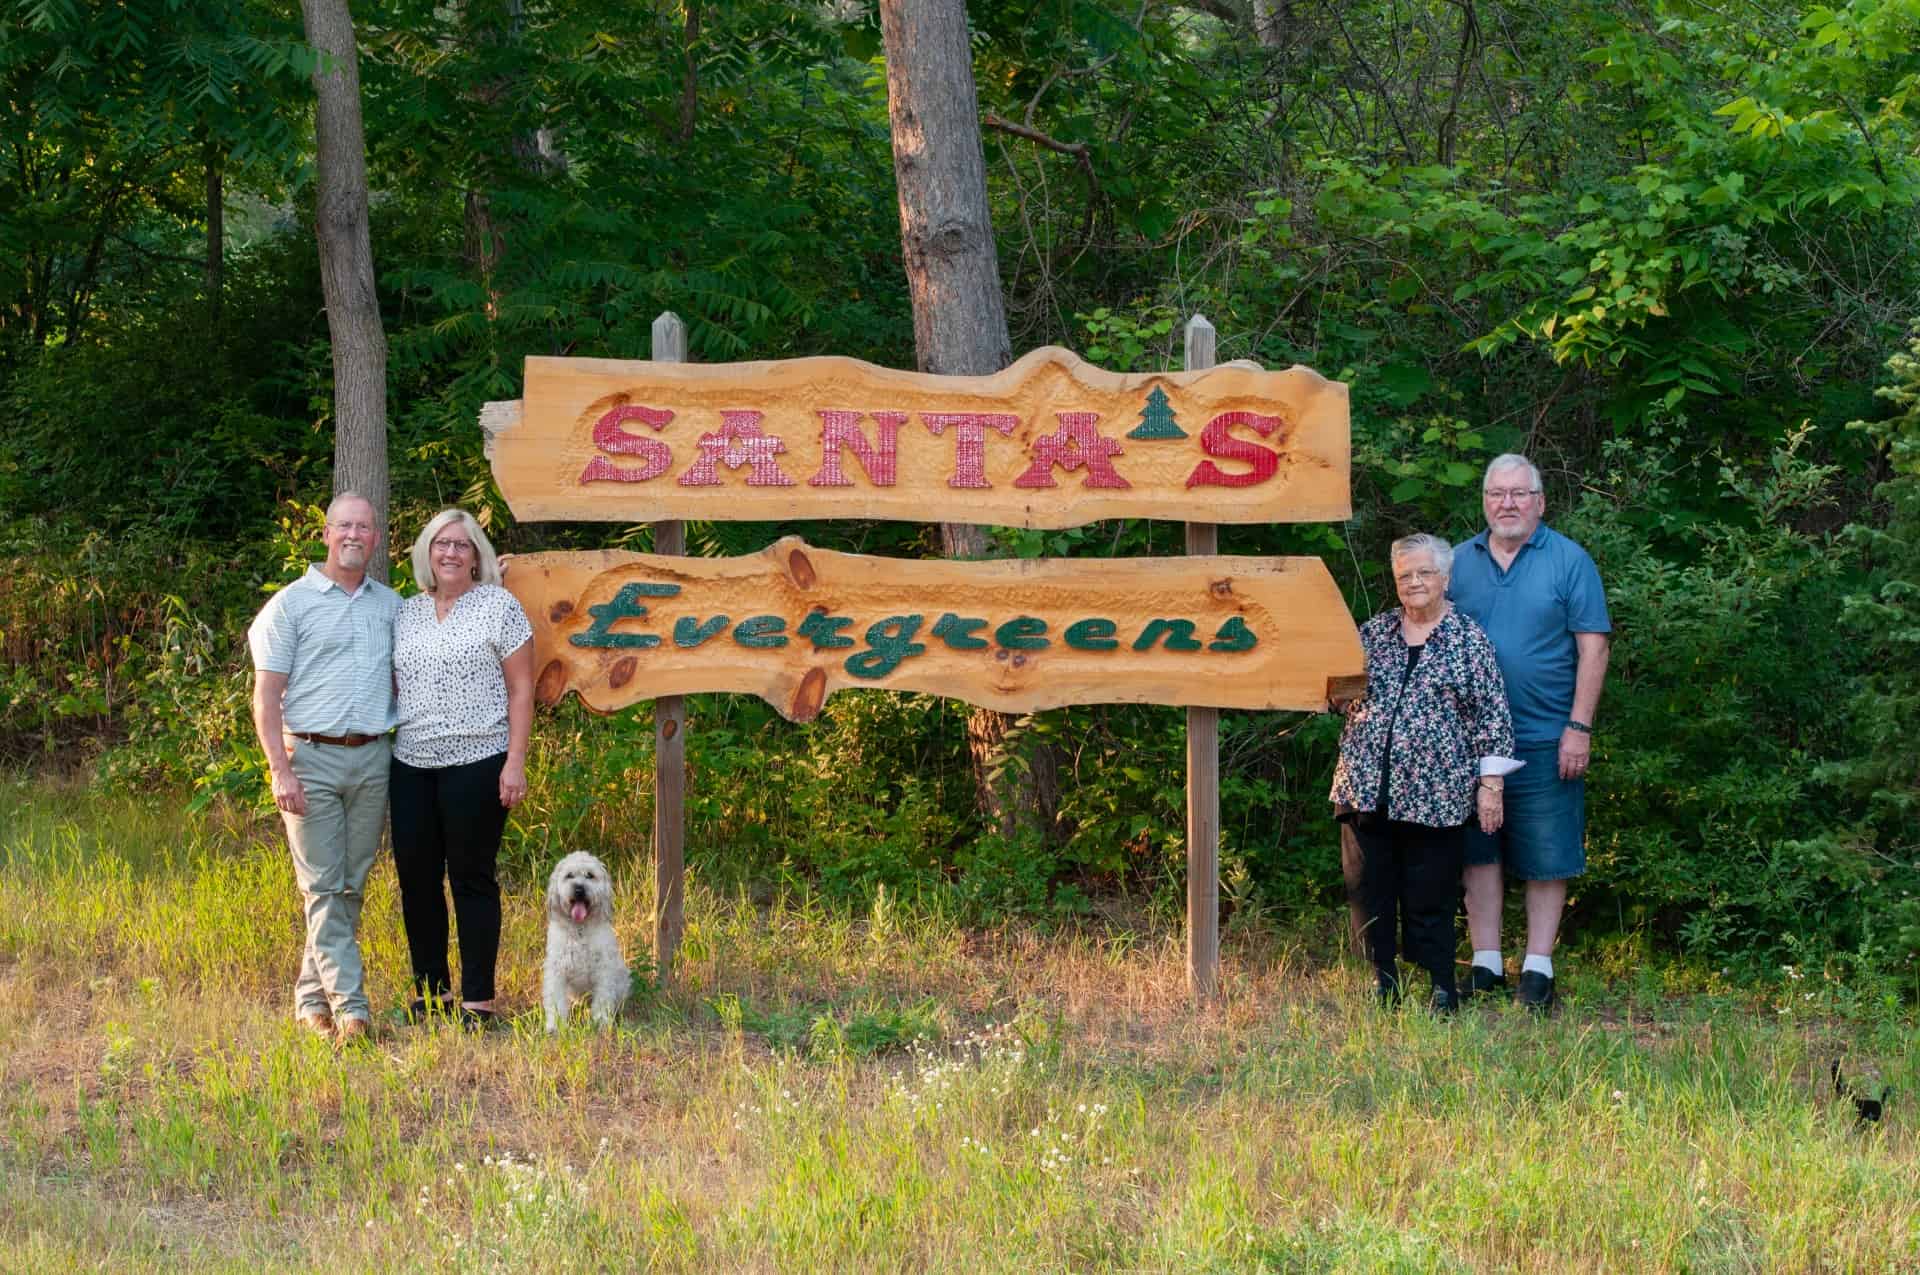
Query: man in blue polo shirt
{"points": [[1538, 596], [323, 709]]}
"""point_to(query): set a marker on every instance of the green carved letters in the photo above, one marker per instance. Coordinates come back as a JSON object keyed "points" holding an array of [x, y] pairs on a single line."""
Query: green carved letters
{"points": [[892, 641]]}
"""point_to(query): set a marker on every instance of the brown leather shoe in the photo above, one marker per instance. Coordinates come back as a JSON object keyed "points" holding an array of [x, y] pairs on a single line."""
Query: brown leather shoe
{"points": [[350, 1030], [317, 1023]]}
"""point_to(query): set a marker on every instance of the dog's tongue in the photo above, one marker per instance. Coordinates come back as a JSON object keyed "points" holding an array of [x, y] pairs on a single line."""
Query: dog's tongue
{"points": [[579, 911]]}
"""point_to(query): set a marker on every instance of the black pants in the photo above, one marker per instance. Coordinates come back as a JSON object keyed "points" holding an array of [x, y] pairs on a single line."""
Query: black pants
{"points": [[447, 822], [1409, 874]]}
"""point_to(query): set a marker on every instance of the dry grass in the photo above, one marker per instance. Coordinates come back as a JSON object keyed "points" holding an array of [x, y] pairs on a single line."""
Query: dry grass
{"points": [[883, 1091]]}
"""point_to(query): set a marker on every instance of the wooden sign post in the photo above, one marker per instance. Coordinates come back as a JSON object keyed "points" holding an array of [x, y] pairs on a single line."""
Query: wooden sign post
{"points": [[1203, 764], [1050, 441], [669, 736]]}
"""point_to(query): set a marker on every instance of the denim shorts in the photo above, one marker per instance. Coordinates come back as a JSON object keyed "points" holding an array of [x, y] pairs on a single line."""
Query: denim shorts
{"points": [[1544, 834]]}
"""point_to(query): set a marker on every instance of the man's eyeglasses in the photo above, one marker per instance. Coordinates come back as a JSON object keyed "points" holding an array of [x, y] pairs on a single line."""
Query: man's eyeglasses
{"points": [[362, 527], [1419, 575], [1518, 495], [452, 546]]}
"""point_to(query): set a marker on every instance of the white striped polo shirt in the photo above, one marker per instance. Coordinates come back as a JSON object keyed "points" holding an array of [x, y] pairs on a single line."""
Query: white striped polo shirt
{"points": [[336, 649]]}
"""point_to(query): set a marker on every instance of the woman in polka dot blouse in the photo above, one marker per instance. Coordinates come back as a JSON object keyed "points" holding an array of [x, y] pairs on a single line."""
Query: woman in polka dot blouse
{"points": [[463, 677]]}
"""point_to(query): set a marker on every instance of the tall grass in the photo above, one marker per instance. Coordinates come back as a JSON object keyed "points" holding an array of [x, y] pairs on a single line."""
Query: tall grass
{"points": [[885, 1090]]}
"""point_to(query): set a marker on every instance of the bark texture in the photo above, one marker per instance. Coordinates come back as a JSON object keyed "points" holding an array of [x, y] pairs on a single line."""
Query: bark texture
{"points": [[216, 274], [346, 264], [953, 273]]}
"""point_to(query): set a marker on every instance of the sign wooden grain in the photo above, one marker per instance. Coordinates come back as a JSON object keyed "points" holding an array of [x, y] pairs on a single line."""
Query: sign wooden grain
{"points": [[1051, 441], [794, 624]]}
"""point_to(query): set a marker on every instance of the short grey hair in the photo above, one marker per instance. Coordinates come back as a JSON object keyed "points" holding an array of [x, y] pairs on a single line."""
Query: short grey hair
{"points": [[486, 566], [341, 498], [1423, 542], [1512, 460]]}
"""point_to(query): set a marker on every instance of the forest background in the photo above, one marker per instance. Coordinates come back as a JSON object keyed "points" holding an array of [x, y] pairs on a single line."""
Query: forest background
{"points": [[1667, 249]]}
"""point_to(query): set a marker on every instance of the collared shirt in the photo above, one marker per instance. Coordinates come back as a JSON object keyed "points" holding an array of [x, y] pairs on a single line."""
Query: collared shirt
{"points": [[336, 649], [1531, 610], [1440, 721], [453, 694]]}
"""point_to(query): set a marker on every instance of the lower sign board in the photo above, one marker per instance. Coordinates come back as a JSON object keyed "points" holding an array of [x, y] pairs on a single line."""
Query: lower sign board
{"points": [[793, 624]]}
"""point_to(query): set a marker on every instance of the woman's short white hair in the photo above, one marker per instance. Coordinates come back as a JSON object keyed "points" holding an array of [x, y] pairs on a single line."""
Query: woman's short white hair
{"points": [[486, 566], [1422, 542]]}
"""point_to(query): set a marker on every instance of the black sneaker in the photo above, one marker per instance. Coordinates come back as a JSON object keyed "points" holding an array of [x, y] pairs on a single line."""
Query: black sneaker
{"points": [[1536, 992], [1482, 981], [1445, 1001], [1387, 993]]}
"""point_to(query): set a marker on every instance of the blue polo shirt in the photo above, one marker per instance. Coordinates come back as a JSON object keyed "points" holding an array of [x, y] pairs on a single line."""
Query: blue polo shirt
{"points": [[1531, 611]]}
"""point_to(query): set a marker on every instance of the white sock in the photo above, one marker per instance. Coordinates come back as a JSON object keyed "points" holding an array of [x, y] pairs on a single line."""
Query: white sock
{"points": [[1489, 960], [1542, 963]]}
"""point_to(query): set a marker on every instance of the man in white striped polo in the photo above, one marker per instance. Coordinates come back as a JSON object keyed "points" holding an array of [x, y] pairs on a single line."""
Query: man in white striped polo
{"points": [[323, 708]]}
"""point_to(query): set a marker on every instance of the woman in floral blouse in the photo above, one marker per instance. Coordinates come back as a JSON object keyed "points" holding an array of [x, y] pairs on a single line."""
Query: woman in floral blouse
{"points": [[1422, 751]]}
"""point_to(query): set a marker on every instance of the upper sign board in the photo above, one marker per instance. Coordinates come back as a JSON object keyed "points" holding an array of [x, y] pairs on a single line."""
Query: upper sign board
{"points": [[1051, 441]]}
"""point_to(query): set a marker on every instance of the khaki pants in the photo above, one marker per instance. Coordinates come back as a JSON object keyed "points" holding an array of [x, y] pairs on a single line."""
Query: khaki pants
{"points": [[334, 845]]}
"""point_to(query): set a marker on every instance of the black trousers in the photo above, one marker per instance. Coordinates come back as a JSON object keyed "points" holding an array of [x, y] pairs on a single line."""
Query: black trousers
{"points": [[1409, 884], [447, 823]]}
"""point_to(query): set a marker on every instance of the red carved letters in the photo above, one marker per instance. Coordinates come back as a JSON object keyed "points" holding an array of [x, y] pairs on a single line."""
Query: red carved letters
{"points": [[969, 441], [841, 429], [1075, 445], [609, 437], [736, 444], [1215, 440]]}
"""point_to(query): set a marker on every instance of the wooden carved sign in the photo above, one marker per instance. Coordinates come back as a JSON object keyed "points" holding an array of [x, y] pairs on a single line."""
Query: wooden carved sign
{"points": [[793, 624], [1052, 441]]}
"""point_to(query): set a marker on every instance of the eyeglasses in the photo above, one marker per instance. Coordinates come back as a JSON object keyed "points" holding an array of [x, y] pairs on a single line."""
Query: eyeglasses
{"points": [[362, 527], [1518, 495], [1419, 575], [452, 546]]}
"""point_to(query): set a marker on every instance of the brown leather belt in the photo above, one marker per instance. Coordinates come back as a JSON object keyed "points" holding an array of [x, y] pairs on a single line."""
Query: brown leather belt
{"points": [[338, 741]]}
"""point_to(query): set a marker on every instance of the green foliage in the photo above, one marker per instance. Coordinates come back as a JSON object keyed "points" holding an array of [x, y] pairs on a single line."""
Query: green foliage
{"points": [[1880, 774], [1664, 249], [1712, 815]]}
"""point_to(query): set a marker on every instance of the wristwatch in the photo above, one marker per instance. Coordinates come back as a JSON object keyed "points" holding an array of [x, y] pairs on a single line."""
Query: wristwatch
{"points": [[1585, 728]]}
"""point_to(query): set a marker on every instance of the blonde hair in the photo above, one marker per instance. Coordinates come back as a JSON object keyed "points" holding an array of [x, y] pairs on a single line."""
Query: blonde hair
{"points": [[486, 566]]}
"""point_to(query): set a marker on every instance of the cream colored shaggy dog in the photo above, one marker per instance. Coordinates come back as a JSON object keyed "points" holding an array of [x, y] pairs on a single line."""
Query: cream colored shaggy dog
{"points": [[583, 955]]}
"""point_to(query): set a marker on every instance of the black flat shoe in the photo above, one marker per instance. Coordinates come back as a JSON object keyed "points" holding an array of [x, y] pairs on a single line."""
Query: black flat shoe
{"points": [[1536, 992], [477, 1020], [421, 1009], [1483, 982]]}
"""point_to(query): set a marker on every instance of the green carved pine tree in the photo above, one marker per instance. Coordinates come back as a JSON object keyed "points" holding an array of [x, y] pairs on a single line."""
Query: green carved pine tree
{"points": [[1157, 419]]}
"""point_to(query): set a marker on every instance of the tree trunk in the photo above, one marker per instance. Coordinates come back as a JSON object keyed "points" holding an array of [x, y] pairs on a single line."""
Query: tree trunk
{"points": [[346, 264], [216, 233], [953, 275], [1270, 21]]}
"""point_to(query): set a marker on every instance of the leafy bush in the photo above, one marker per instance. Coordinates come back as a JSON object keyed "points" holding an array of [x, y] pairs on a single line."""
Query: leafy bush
{"points": [[1711, 816]]}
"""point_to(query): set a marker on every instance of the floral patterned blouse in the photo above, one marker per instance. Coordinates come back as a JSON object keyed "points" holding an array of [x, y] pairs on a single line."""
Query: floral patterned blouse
{"points": [[1442, 720]]}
